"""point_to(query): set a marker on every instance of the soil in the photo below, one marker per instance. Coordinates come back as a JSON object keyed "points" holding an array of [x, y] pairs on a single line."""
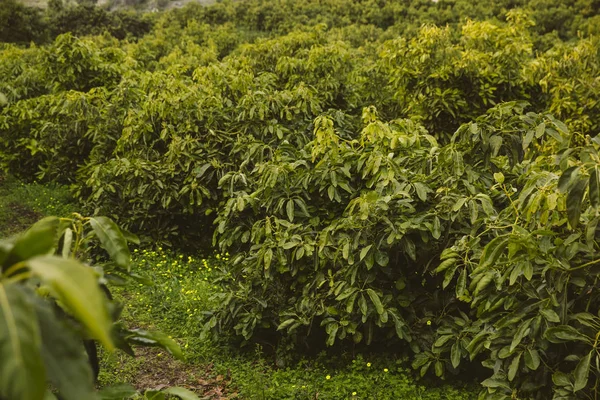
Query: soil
{"points": [[159, 370]]}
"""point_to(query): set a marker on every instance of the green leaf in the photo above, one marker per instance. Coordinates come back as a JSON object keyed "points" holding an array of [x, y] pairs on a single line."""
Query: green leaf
{"points": [[539, 130], [154, 395], [289, 208], [455, 354], [421, 190], [527, 139], [461, 283], [112, 240], [594, 187], [331, 192], [130, 237], [514, 367], [182, 393], [436, 229], [155, 339], [459, 204], [117, 392], [362, 304], [574, 199], [67, 242], [561, 379], [76, 287], [582, 372], [492, 251], [376, 300], [364, 251], [442, 340], [565, 333], [285, 324], [39, 239], [521, 332], [495, 145], [23, 375], [483, 283], [399, 325], [382, 258], [449, 275], [444, 265], [564, 182], [494, 383], [550, 315], [532, 359], [64, 357], [267, 258], [350, 303]]}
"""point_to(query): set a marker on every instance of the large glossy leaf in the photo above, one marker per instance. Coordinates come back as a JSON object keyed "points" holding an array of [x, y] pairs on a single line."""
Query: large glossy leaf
{"points": [[112, 240], [76, 287], [39, 239], [64, 357], [22, 373]]}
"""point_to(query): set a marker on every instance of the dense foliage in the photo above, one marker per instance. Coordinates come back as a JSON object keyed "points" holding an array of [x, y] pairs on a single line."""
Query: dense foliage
{"points": [[433, 187]]}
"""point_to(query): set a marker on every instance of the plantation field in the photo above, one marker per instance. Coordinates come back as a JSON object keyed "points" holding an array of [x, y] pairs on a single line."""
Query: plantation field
{"points": [[311, 199]]}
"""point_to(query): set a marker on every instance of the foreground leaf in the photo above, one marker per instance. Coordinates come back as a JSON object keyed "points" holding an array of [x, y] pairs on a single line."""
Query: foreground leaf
{"points": [[39, 239], [22, 371], [76, 287], [62, 352]]}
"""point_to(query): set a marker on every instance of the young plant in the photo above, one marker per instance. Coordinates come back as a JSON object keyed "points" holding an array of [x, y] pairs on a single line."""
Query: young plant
{"points": [[52, 301]]}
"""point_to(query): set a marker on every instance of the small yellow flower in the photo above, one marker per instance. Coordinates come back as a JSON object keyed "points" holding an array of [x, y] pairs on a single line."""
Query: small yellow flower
{"points": [[429, 322], [368, 365], [385, 370], [328, 377], [353, 393]]}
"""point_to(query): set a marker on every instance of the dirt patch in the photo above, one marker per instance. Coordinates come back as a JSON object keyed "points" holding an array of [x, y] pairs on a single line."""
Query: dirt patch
{"points": [[159, 370]]}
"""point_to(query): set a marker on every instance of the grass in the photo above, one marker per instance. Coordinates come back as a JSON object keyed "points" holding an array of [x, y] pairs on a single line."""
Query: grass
{"points": [[182, 289], [21, 204]]}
